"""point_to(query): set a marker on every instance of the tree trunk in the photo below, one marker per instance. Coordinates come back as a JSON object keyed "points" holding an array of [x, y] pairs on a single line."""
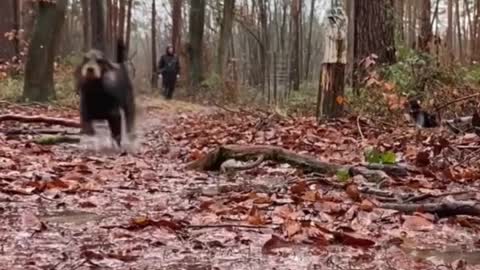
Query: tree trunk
{"points": [[309, 40], [97, 17], [7, 24], [264, 49], [331, 92], [121, 18], [351, 40], [476, 54], [177, 24], [196, 31], [153, 25], [39, 84], [400, 10], [225, 35], [449, 41], [412, 23], [459, 31], [87, 35], [426, 33], [374, 34], [296, 62], [128, 31]]}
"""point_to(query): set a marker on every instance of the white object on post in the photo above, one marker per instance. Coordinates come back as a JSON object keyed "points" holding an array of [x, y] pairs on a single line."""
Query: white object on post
{"points": [[335, 28]]}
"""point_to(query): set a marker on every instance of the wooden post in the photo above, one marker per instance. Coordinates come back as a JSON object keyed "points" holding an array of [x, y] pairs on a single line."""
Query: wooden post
{"points": [[332, 74]]}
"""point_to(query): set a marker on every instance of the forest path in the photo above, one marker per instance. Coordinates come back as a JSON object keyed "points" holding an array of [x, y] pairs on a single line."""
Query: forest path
{"points": [[66, 208]]}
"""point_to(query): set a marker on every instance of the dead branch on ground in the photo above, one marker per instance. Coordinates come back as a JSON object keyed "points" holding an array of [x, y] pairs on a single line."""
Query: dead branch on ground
{"points": [[40, 119], [444, 209], [214, 160]]}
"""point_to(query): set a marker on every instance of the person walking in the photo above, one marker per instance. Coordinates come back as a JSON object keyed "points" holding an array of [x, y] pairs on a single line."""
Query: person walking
{"points": [[169, 69]]}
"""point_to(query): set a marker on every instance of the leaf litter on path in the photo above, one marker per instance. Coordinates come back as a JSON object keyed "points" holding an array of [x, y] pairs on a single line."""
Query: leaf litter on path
{"points": [[65, 208]]}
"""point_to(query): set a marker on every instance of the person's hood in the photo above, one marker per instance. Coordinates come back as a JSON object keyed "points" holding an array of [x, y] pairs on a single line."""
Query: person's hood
{"points": [[168, 47]]}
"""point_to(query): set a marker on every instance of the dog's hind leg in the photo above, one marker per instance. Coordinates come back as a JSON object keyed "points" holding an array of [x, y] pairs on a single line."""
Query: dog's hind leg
{"points": [[115, 124]]}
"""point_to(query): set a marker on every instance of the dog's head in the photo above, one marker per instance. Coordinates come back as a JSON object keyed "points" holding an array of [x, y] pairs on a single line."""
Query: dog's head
{"points": [[95, 65]]}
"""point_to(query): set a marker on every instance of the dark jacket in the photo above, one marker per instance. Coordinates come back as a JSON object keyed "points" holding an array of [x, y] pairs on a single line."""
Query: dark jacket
{"points": [[169, 65]]}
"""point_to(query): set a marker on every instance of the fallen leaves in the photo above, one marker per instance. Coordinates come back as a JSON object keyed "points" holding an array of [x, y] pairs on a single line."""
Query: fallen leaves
{"points": [[149, 204]]}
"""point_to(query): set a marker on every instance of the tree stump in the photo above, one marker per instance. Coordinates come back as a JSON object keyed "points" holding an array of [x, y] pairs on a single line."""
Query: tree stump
{"points": [[332, 77], [331, 90]]}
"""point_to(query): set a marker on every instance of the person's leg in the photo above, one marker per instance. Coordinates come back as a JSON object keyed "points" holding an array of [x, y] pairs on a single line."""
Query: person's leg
{"points": [[172, 87], [164, 85]]}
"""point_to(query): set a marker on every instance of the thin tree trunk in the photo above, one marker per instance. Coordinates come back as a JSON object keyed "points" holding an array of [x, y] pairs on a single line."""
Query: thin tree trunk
{"points": [[309, 40], [296, 62], [459, 31], [128, 32], [425, 26], [196, 31], [153, 25], [177, 24], [97, 16], [225, 35], [87, 36], [449, 41]]}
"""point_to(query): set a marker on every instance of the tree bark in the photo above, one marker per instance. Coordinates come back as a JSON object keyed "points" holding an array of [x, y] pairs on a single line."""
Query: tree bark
{"points": [[331, 91], [196, 29], [296, 62], [374, 33], [225, 35], [177, 24], [87, 30], [449, 37], [426, 33], [97, 17], [153, 25], [309, 40], [7, 23], [39, 85]]}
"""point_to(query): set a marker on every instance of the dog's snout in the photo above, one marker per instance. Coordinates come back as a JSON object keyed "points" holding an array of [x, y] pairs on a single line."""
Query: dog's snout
{"points": [[90, 70]]}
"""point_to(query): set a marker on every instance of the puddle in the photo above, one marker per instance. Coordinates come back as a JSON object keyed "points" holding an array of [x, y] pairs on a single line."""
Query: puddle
{"points": [[71, 217], [447, 256]]}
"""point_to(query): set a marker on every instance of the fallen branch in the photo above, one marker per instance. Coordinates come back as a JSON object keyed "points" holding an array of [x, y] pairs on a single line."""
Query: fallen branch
{"points": [[216, 226], [213, 162], [445, 209], [12, 132], [40, 119], [456, 101], [51, 140]]}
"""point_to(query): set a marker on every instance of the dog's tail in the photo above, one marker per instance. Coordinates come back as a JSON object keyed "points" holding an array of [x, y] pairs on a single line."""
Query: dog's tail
{"points": [[121, 51]]}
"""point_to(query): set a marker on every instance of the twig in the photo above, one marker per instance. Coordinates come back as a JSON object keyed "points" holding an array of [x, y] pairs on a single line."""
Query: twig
{"points": [[456, 101], [428, 196], [225, 108], [360, 128], [446, 209], [229, 226]]}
